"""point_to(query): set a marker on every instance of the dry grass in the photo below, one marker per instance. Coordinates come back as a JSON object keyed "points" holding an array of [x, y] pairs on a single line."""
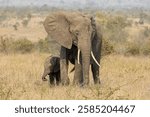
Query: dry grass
{"points": [[20, 74], [122, 78]]}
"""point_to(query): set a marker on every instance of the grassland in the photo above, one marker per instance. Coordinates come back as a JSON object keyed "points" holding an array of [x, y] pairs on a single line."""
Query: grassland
{"points": [[121, 78], [124, 70]]}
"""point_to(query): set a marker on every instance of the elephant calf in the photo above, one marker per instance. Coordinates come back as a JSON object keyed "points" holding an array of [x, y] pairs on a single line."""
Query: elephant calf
{"points": [[52, 68]]}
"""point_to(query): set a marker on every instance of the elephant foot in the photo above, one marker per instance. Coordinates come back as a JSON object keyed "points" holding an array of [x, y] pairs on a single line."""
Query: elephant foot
{"points": [[83, 85], [97, 81], [65, 82], [57, 83], [52, 85], [76, 82], [86, 82]]}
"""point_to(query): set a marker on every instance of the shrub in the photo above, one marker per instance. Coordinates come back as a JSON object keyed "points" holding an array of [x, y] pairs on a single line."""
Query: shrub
{"points": [[107, 47], [25, 22], [132, 49], [22, 46], [47, 46], [141, 21], [145, 48], [29, 16], [16, 25], [114, 34], [146, 32], [9, 45], [42, 45], [3, 17], [115, 29], [5, 44]]}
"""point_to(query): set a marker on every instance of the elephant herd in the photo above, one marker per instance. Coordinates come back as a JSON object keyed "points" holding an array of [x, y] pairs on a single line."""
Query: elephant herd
{"points": [[80, 40]]}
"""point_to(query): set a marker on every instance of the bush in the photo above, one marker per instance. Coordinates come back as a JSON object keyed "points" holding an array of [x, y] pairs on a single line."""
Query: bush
{"points": [[114, 34], [42, 45], [5, 44], [22, 46], [9, 45], [47, 46], [132, 49], [25, 23], [115, 29], [145, 48], [107, 47], [29, 16], [146, 32], [3, 17]]}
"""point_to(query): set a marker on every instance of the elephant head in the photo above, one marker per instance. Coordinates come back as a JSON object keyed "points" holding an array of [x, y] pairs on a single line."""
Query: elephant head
{"points": [[69, 28]]}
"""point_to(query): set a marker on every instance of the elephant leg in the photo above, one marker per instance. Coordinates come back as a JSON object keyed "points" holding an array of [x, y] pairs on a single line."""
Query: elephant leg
{"points": [[78, 77], [51, 79], [58, 80], [95, 72], [96, 48], [64, 66]]}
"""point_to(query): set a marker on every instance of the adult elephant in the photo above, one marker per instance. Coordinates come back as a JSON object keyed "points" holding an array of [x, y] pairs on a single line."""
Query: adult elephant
{"points": [[75, 29]]}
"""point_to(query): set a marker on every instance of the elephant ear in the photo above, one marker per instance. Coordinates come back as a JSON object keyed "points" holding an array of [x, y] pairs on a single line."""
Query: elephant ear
{"points": [[57, 27]]}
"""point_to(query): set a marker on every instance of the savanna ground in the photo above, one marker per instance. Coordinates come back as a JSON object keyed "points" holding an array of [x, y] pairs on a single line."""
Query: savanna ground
{"points": [[124, 68], [121, 78]]}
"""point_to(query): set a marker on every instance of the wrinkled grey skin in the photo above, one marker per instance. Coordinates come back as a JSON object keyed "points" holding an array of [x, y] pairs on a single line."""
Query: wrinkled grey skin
{"points": [[52, 68], [75, 29]]}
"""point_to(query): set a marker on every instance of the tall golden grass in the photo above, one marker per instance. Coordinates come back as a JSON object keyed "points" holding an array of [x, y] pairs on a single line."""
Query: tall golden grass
{"points": [[121, 78]]}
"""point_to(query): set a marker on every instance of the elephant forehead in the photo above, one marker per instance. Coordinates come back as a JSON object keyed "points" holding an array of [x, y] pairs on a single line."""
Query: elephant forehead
{"points": [[81, 20], [74, 18]]}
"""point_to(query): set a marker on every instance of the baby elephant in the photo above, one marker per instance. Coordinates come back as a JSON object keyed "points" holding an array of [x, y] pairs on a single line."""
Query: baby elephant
{"points": [[52, 68]]}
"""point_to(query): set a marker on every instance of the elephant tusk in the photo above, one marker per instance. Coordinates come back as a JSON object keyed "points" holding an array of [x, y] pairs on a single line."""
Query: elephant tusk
{"points": [[78, 56], [94, 59]]}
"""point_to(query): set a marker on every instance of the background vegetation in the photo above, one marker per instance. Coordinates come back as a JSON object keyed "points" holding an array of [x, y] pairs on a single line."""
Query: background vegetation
{"points": [[115, 28]]}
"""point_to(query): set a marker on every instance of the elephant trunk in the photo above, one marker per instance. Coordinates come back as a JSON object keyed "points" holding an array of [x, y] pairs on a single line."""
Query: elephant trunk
{"points": [[46, 72], [85, 53]]}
